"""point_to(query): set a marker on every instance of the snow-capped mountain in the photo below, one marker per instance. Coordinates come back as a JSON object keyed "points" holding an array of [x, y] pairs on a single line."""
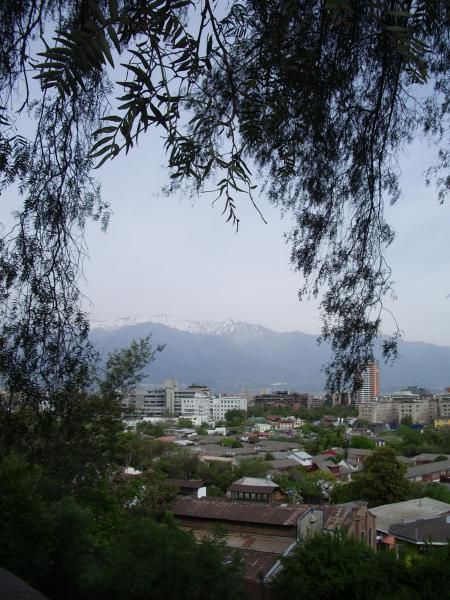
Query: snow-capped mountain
{"points": [[232, 355], [238, 330]]}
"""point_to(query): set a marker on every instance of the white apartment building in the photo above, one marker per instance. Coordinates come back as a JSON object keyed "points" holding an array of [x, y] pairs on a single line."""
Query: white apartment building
{"points": [[221, 404], [187, 402]]}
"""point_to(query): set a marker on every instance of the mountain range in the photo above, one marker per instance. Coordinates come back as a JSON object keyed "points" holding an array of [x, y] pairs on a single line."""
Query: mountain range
{"points": [[233, 355]]}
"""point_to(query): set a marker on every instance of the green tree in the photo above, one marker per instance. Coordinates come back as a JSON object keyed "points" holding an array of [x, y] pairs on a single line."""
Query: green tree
{"points": [[235, 418], [334, 566], [360, 441], [382, 480], [179, 463], [139, 565], [252, 467], [24, 519], [431, 490], [230, 443], [185, 423], [303, 486]]}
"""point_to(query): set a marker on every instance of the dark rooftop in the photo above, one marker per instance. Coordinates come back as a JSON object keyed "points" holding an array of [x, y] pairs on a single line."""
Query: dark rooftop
{"points": [[423, 531], [248, 512], [194, 484]]}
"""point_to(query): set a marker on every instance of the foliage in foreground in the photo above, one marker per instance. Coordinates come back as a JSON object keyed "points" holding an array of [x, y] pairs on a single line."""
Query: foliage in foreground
{"points": [[320, 97], [108, 540], [74, 525], [335, 566]]}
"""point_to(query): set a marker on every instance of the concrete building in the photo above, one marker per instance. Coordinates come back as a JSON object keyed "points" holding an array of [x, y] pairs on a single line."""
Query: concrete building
{"points": [[370, 384], [392, 409], [191, 402], [294, 400], [220, 405]]}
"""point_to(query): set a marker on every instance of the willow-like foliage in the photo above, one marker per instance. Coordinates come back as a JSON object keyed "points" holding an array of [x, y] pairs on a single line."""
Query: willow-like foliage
{"points": [[316, 97]]}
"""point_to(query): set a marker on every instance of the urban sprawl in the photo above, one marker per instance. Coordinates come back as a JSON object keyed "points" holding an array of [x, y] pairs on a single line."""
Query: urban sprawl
{"points": [[275, 468]]}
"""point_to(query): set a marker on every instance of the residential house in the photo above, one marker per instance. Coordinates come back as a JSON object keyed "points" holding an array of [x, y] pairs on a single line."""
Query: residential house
{"points": [[195, 488], [281, 465], [390, 516], [301, 457], [254, 488], [426, 457], [434, 471], [422, 533]]}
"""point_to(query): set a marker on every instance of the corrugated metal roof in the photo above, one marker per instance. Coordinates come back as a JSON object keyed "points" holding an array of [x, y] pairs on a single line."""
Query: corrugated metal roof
{"points": [[257, 564], [248, 512]]}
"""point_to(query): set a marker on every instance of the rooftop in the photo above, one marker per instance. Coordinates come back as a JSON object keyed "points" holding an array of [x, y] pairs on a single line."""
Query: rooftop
{"points": [[248, 512], [427, 468], [193, 484], [424, 531], [407, 512], [256, 482], [426, 456]]}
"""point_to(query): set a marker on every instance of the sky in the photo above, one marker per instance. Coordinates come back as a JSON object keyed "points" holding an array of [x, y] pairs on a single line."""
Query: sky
{"points": [[176, 255]]}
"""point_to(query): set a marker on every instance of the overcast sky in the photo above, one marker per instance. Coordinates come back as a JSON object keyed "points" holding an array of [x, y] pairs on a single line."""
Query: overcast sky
{"points": [[176, 256]]}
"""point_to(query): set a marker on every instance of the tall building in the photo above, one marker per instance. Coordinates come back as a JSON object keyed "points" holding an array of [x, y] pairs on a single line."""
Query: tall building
{"points": [[370, 388]]}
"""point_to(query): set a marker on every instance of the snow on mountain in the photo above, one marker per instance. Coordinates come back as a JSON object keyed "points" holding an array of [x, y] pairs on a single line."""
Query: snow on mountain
{"points": [[228, 328]]}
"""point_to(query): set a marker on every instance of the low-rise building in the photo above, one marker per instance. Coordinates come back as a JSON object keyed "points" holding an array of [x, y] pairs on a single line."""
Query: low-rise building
{"points": [[194, 488], [398, 521], [255, 489], [428, 472], [263, 533]]}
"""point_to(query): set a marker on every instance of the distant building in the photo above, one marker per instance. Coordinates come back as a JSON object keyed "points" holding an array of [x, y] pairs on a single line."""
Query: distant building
{"points": [[256, 489], [284, 399], [401, 405], [370, 385], [194, 401]]}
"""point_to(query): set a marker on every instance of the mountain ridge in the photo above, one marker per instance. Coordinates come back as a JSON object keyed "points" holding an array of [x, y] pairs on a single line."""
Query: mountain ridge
{"points": [[231, 355]]}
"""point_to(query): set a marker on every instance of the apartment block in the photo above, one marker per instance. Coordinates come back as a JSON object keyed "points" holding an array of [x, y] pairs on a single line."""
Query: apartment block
{"points": [[187, 402], [393, 409], [294, 400]]}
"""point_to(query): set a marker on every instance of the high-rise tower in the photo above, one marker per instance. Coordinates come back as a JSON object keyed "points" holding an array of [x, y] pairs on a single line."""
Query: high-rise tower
{"points": [[370, 389]]}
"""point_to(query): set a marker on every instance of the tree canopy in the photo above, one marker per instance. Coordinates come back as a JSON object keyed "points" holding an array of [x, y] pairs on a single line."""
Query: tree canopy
{"points": [[310, 100], [334, 566]]}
